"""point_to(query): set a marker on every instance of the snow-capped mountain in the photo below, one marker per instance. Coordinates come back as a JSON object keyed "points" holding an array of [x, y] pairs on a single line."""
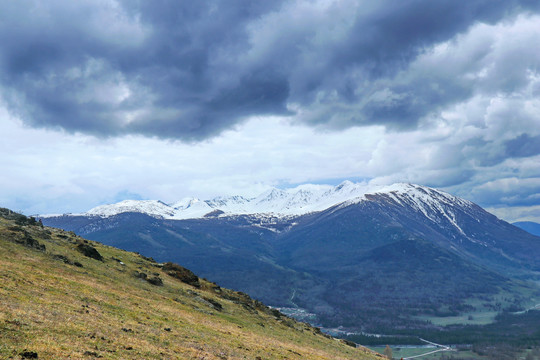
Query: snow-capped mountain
{"points": [[301, 200], [341, 251]]}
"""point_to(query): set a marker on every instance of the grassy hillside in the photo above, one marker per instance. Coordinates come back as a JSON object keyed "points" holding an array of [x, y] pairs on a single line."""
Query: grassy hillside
{"points": [[65, 297]]}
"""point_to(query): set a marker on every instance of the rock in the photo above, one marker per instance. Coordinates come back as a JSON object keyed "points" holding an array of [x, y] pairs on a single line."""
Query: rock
{"points": [[276, 313], [90, 251], [147, 258], [140, 275], [348, 342], [29, 354], [92, 353], [213, 303], [181, 273], [155, 280], [29, 241], [61, 258]]}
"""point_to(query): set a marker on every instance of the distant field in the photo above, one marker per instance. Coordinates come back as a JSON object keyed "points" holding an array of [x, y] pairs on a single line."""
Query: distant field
{"points": [[402, 352], [483, 315], [478, 318]]}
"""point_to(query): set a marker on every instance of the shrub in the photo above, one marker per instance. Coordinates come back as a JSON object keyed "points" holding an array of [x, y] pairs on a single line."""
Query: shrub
{"points": [[181, 273], [155, 280], [90, 251]]}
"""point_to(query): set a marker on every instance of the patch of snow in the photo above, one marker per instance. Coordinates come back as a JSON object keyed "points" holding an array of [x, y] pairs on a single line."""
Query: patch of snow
{"points": [[53, 215]]}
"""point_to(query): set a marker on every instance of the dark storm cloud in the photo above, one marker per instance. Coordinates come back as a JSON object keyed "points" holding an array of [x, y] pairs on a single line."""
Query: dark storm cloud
{"points": [[523, 146], [189, 70]]}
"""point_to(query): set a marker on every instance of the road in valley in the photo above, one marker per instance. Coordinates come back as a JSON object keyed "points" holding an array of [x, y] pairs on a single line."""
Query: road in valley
{"points": [[535, 307], [439, 346]]}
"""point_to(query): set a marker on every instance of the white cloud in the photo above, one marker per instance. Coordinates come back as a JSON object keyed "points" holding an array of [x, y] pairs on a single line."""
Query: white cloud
{"points": [[46, 165], [52, 171], [516, 213]]}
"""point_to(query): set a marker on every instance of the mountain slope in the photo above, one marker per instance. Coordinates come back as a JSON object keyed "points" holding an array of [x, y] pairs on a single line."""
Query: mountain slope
{"points": [[64, 297], [447, 256], [450, 223], [529, 226]]}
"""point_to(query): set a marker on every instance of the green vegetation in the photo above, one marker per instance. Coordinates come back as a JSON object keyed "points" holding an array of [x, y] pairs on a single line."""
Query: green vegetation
{"points": [[483, 310], [62, 296]]}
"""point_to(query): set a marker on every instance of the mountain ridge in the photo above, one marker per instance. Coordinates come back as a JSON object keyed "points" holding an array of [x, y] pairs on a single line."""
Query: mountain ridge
{"points": [[301, 200]]}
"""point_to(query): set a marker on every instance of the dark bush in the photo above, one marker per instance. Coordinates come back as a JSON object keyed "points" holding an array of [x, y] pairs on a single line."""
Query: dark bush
{"points": [[29, 354], [181, 273], [63, 258], [20, 219], [348, 342], [140, 275], [90, 251], [28, 240], [276, 313], [147, 258], [155, 280]]}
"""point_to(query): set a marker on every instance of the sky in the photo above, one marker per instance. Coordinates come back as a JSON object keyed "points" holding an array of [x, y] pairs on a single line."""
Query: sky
{"points": [[105, 100]]}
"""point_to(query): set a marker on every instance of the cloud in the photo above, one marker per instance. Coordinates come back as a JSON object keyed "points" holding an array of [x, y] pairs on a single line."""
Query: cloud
{"points": [[523, 146], [51, 171], [441, 93], [518, 213], [191, 70]]}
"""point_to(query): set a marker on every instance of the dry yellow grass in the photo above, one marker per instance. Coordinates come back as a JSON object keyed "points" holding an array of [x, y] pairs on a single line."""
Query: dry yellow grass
{"points": [[101, 310]]}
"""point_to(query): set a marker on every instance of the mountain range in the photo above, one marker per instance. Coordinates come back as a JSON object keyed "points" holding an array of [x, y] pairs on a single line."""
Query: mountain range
{"points": [[301, 200], [362, 258]]}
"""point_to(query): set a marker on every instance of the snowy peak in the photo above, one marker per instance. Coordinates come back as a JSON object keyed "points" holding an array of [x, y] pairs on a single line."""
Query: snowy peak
{"points": [[295, 201], [230, 201], [424, 198], [272, 196], [154, 208], [435, 205], [187, 203]]}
